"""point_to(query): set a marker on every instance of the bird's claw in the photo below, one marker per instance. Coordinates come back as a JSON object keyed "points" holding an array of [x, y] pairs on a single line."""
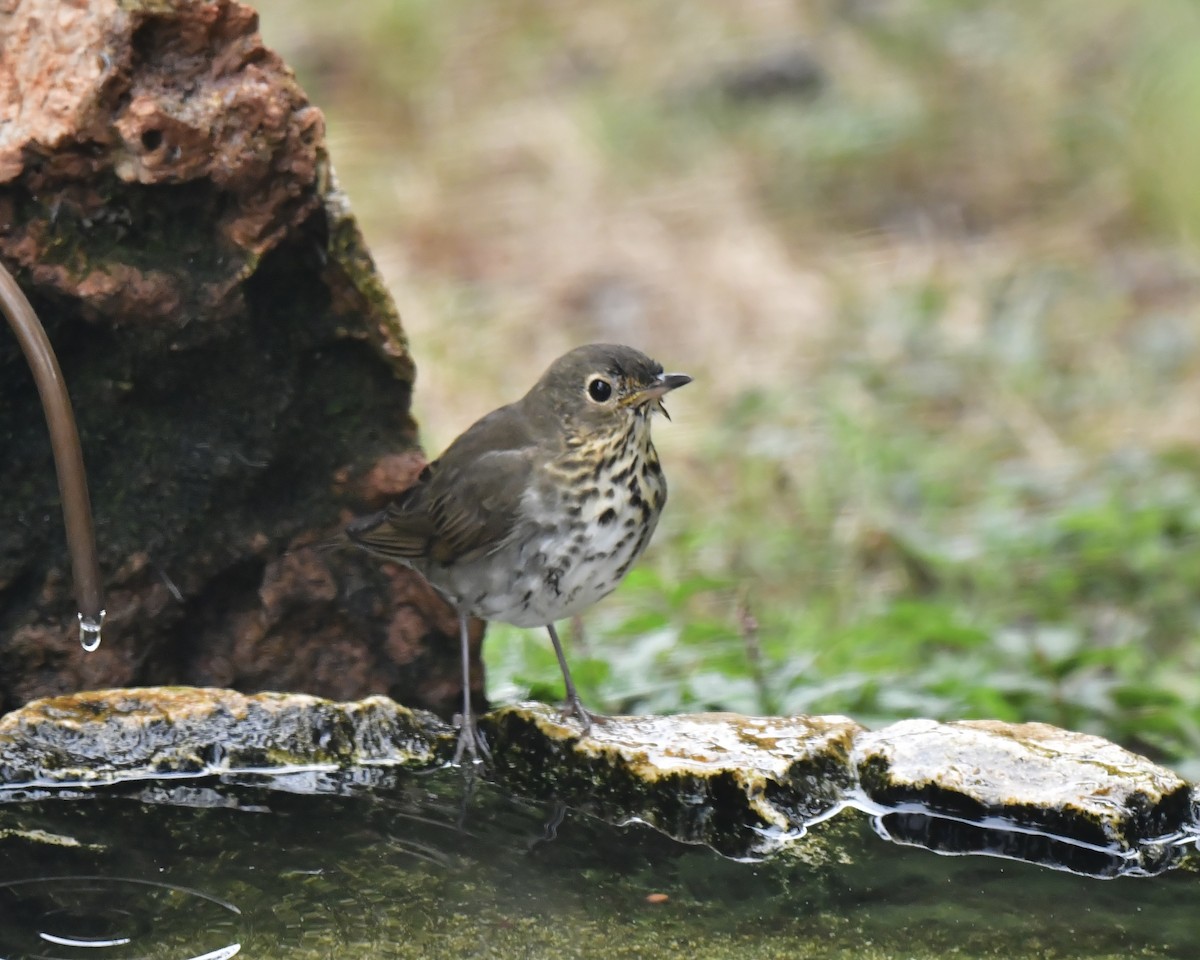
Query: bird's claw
{"points": [[574, 708], [470, 741]]}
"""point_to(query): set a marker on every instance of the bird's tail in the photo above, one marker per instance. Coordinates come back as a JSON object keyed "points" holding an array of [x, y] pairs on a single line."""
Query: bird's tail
{"points": [[391, 534], [325, 544]]}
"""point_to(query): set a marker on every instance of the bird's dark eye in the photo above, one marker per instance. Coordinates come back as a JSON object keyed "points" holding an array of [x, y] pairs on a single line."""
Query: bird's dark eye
{"points": [[599, 389]]}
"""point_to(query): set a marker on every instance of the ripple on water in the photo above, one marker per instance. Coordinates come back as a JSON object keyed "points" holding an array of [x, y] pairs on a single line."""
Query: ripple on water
{"points": [[106, 918]]}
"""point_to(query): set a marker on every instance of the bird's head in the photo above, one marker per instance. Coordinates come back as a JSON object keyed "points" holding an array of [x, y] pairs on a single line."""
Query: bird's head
{"points": [[602, 388]]}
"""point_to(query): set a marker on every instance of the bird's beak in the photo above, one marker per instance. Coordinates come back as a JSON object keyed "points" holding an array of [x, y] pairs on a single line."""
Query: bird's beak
{"points": [[663, 384]]}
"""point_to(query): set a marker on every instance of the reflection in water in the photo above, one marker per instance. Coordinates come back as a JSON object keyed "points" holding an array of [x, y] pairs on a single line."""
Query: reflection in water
{"points": [[72, 917], [995, 837], [386, 864]]}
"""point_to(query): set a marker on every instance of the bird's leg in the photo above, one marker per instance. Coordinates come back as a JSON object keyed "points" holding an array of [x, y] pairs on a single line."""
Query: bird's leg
{"points": [[574, 704], [470, 740]]}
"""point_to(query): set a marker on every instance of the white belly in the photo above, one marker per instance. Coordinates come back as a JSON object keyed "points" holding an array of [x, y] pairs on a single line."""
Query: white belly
{"points": [[554, 573]]}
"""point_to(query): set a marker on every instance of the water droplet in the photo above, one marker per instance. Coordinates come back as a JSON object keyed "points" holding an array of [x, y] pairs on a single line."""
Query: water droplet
{"points": [[70, 918], [89, 631]]}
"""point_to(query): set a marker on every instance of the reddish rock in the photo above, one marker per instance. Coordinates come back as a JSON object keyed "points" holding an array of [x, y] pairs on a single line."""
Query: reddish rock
{"points": [[239, 371], [390, 476], [151, 94]]}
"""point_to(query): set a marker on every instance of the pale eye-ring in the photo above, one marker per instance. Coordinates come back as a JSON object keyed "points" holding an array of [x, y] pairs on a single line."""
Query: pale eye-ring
{"points": [[599, 389]]}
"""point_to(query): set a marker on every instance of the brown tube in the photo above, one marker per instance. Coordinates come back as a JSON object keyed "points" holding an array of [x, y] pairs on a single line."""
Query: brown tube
{"points": [[68, 457]]}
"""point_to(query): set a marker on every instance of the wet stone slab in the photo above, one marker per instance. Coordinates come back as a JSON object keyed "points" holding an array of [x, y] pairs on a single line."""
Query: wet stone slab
{"points": [[974, 786], [742, 785], [110, 736], [748, 787]]}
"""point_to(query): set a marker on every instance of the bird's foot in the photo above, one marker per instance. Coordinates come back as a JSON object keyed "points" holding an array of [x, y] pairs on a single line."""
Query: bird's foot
{"points": [[574, 708], [470, 741]]}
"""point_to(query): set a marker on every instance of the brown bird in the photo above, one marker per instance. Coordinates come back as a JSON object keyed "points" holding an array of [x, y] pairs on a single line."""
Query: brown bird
{"points": [[540, 508]]}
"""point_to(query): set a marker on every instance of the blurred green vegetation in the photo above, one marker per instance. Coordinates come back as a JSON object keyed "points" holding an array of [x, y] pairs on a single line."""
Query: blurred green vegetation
{"points": [[940, 293]]}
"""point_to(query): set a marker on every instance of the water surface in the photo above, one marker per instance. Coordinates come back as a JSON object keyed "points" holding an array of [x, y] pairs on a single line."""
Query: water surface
{"points": [[388, 864]]}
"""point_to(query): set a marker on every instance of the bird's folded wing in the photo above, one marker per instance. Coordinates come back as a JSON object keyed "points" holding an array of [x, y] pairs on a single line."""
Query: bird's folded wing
{"points": [[466, 505], [475, 511], [396, 533]]}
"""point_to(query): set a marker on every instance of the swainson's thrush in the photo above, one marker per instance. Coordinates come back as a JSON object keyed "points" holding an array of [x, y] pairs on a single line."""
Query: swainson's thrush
{"points": [[540, 508]]}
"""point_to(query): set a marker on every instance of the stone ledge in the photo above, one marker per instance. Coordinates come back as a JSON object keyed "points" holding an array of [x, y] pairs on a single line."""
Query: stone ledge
{"points": [[745, 786], [108, 736], [739, 784]]}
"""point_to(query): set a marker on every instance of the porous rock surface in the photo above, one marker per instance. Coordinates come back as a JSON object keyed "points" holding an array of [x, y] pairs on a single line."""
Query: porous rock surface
{"points": [[949, 780], [239, 371], [746, 786], [739, 784], [109, 736]]}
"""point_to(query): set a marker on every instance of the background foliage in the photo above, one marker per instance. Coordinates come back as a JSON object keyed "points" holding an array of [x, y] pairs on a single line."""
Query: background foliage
{"points": [[932, 263]]}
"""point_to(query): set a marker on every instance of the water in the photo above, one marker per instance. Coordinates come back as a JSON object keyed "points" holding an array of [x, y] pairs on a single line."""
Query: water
{"points": [[107, 916], [377, 863], [90, 630]]}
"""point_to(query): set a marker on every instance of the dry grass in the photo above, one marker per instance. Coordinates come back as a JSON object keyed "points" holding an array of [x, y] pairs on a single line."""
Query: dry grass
{"points": [[531, 176]]}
